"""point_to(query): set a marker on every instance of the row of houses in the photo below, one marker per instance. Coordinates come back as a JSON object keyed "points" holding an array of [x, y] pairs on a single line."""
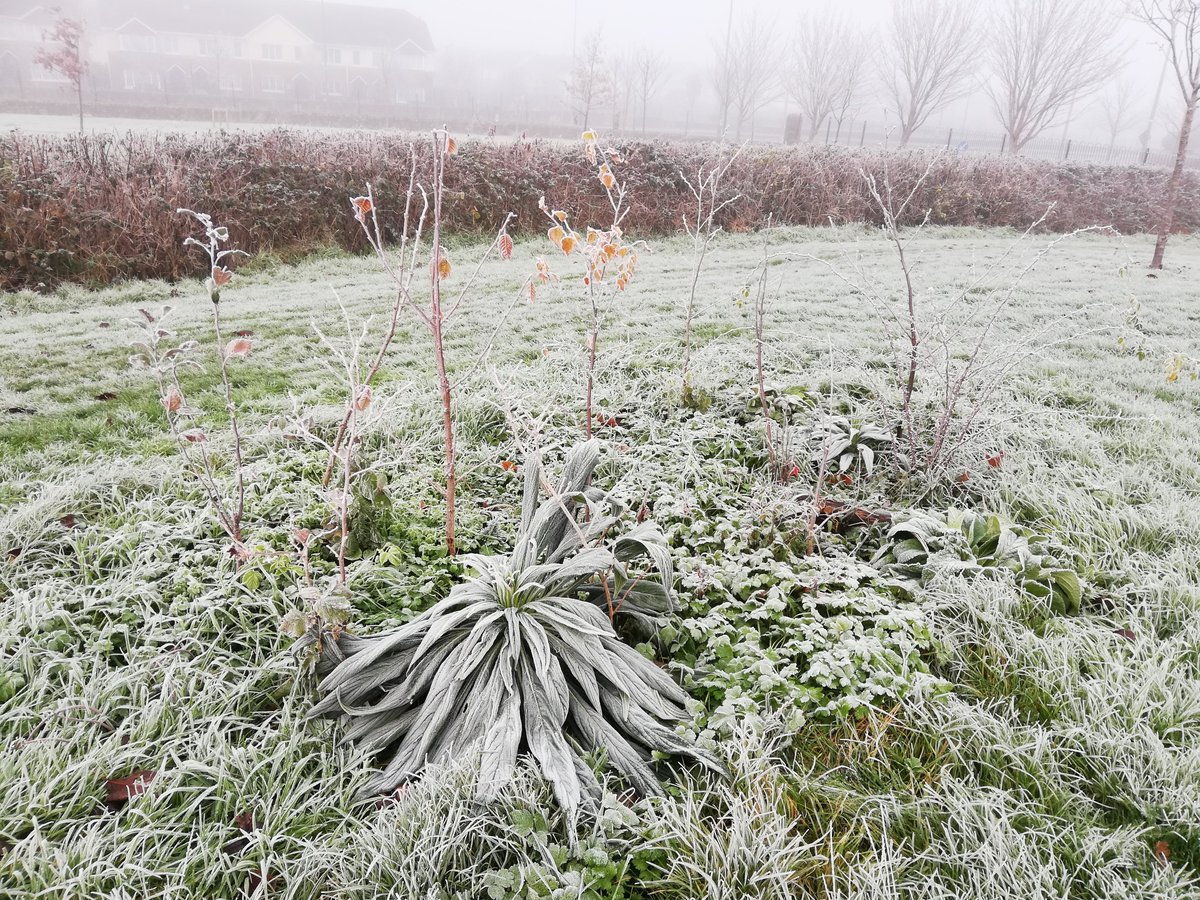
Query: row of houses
{"points": [[223, 52]]}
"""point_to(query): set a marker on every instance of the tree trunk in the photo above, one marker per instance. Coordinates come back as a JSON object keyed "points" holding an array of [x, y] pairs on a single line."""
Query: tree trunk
{"points": [[439, 348], [1168, 213]]}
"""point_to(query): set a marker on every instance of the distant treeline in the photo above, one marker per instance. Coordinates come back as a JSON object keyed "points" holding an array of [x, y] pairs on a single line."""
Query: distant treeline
{"points": [[91, 209]]}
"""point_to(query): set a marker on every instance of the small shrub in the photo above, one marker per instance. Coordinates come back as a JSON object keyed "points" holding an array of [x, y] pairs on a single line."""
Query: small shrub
{"points": [[514, 660]]}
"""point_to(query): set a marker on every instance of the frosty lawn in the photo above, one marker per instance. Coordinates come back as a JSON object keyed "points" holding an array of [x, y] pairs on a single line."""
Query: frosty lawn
{"points": [[954, 736]]}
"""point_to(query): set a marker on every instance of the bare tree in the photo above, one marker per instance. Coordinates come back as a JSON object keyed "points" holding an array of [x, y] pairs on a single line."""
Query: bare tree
{"points": [[622, 79], [825, 67], [589, 85], [693, 88], [1176, 23], [65, 55], [649, 72], [1045, 55], [929, 59], [1119, 109], [745, 75]]}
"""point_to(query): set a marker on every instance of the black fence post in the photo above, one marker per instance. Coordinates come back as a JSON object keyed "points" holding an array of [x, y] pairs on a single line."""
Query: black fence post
{"points": [[1003, 142], [828, 125], [948, 137], [1067, 152], [862, 137], [1145, 155]]}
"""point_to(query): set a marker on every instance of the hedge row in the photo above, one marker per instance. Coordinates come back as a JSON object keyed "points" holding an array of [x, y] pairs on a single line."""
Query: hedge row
{"points": [[92, 209]]}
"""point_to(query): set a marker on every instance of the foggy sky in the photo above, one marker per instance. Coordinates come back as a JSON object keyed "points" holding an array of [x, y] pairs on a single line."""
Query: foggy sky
{"points": [[683, 30]]}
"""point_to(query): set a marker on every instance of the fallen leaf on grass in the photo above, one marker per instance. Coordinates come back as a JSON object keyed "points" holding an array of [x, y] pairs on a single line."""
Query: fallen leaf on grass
{"points": [[1162, 853], [106, 395], [120, 791], [243, 822]]}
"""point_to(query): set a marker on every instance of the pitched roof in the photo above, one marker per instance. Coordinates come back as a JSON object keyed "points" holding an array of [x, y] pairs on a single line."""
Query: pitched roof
{"points": [[324, 21]]}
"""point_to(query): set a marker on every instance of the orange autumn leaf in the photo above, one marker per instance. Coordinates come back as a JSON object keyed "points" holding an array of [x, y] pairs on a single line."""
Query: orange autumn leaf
{"points": [[221, 276], [608, 180], [560, 215], [238, 347], [443, 268], [532, 291], [451, 146], [556, 234], [568, 244], [362, 206], [363, 400], [173, 400], [1162, 853], [506, 246], [508, 465], [610, 250]]}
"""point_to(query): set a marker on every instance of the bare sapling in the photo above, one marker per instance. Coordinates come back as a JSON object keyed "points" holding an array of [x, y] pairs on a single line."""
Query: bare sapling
{"points": [[329, 604], [439, 311], [947, 339], [167, 362], [158, 352], [240, 346], [778, 459], [604, 252], [892, 214], [702, 228], [401, 269]]}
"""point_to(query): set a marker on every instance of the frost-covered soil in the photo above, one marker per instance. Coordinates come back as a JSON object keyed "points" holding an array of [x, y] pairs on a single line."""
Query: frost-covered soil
{"points": [[954, 738]]}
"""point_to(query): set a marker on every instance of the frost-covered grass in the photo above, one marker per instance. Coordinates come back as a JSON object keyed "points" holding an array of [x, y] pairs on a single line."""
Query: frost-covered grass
{"points": [[966, 742]]}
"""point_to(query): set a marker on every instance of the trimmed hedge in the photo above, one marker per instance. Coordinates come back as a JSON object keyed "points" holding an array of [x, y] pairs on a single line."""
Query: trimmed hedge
{"points": [[92, 209]]}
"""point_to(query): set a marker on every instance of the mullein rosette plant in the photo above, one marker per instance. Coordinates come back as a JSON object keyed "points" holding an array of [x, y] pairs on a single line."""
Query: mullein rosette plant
{"points": [[523, 658]]}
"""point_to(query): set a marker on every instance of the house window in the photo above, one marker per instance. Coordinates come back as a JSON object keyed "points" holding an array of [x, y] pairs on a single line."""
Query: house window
{"points": [[299, 54], [333, 87], [168, 45], [355, 57], [333, 56], [272, 51], [139, 80], [137, 43], [272, 84], [210, 47]]}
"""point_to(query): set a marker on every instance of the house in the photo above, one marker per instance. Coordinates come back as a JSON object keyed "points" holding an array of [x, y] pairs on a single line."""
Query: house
{"points": [[307, 53]]}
